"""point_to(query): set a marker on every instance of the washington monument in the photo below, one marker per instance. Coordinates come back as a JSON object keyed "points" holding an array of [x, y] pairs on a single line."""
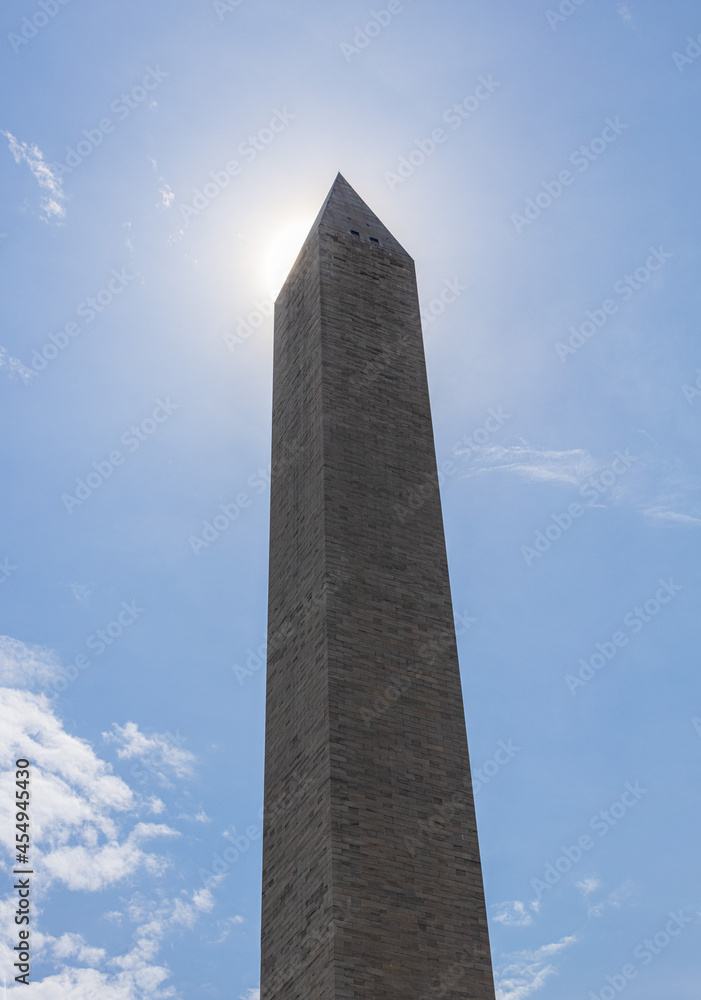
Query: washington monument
{"points": [[372, 884]]}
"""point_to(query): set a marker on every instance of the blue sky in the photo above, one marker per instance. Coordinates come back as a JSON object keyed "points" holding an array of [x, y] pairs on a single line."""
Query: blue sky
{"points": [[160, 165]]}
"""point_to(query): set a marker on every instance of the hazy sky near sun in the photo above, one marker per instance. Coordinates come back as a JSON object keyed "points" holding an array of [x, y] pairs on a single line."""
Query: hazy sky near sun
{"points": [[160, 165]]}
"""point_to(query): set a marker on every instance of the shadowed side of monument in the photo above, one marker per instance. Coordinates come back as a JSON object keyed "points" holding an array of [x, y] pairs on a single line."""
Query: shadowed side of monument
{"points": [[372, 883]]}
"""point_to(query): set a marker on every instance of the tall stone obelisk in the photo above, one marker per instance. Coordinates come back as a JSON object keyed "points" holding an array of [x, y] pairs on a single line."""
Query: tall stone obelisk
{"points": [[372, 885]]}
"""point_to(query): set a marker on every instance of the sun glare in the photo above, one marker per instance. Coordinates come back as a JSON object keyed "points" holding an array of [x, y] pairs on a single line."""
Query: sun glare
{"points": [[282, 252]]}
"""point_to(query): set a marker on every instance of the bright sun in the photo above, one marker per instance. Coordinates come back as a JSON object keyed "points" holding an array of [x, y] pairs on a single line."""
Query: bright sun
{"points": [[282, 252]]}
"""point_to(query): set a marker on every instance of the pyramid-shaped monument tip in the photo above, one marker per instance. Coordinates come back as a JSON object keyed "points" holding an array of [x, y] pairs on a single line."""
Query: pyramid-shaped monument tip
{"points": [[345, 212]]}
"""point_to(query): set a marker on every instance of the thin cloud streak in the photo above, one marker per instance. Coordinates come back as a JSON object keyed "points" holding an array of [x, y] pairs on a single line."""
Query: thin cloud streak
{"points": [[525, 972], [52, 202], [571, 468], [659, 490], [159, 750]]}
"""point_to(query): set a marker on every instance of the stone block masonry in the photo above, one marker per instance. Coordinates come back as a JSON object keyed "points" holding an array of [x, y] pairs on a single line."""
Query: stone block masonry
{"points": [[348, 910]]}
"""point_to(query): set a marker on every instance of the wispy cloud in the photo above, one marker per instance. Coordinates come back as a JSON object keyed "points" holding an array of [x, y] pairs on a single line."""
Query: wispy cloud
{"points": [[570, 468], [654, 483], [625, 13], [15, 368], [662, 513], [227, 926], [158, 751], [128, 241], [512, 914], [51, 202], [670, 491], [74, 946], [524, 972], [135, 975], [167, 196], [81, 591], [187, 912], [23, 666], [588, 885], [614, 900]]}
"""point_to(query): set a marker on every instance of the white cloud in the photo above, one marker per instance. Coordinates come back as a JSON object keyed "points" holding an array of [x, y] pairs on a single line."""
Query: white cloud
{"points": [[94, 867], [187, 912], [158, 752], [659, 487], [204, 900], [589, 885], [15, 368], [662, 513], [625, 12], [84, 838], [167, 196], [76, 798], [614, 899], [83, 972], [227, 926], [670, 491], [524, 972], [72, 787], [74, 946], [251, 995], [141, 982], [75, 802], [512, 914], [25, 666], [570, 468], [52, 201], [81, 591], [156, 917]]}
